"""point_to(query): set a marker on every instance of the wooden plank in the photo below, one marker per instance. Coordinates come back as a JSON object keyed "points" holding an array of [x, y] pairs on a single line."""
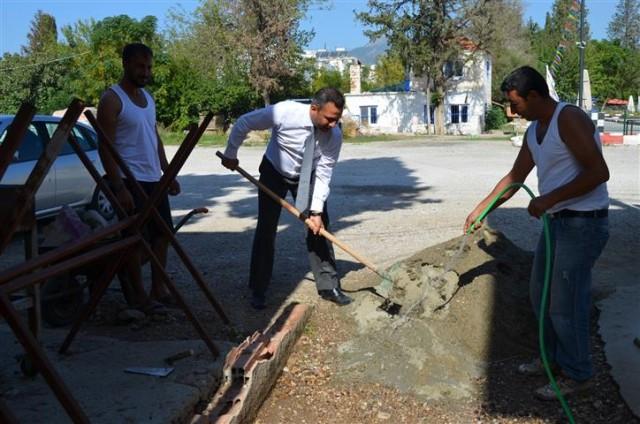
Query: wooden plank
{"points": [[15, 133], [6, 416], [68, 264], [242, 393], [43, 364], [65, 251]]}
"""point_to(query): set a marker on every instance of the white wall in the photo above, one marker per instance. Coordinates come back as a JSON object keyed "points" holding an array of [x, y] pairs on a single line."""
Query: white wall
{"points": [[398, 112], [403, 112], [472, 89]]}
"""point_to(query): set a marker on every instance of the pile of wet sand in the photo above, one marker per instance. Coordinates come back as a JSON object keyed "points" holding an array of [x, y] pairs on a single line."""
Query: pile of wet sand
{"points": [[465, 305]]}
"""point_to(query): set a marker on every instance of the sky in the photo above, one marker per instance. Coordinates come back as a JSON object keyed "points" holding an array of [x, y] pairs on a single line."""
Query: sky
{"points": [[334, 24]]}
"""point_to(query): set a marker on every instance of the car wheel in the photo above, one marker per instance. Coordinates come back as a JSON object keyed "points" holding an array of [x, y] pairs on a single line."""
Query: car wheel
{"points": [[100, 203]]}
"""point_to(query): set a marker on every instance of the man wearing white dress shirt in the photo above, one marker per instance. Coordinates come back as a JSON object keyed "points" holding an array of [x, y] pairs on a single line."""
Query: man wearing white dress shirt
{"points": [[295, 128]]}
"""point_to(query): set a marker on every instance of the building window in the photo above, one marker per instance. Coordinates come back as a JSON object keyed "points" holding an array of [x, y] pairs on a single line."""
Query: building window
{"points": [[368, 115], [453, 68], [459, 114]]}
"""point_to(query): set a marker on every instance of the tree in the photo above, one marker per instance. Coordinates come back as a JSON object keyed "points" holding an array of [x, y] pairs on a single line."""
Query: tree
{"points": [[560, 28], [269, 32], [614, 70], [103, 42], [510, 46], [330, 78], [39, 74], [625, 24], [427, 34], [253, 50], [13, 90], [219, 79], [389, 71], [43, 34]]}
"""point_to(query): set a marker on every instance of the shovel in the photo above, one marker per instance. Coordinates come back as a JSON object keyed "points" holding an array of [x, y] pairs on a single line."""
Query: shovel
{"points": [[388, 305]]}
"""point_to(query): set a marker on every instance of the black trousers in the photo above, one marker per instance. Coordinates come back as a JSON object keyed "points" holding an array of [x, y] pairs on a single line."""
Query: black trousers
{"points": [[321, 255], [151, 230]]}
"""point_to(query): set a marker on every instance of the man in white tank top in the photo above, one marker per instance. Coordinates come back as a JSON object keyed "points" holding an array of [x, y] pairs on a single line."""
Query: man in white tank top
{"points": [[127, 116], [562, 143]]}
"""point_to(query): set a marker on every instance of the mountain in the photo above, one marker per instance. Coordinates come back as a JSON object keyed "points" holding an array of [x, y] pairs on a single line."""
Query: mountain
{"points": [[368, 54]]}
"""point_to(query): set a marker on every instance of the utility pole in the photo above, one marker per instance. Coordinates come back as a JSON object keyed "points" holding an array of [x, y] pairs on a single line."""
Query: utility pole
{"points": [[581, 47]]}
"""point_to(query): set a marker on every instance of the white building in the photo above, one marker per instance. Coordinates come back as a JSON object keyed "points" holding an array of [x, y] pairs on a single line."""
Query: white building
{"points": [[337, 60], [467, 98]]}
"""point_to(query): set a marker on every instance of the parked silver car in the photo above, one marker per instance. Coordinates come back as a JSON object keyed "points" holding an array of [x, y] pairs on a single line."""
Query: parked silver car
{"points": [[68, 182]]}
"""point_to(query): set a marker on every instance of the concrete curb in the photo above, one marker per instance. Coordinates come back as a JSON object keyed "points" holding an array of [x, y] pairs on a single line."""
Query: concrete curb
{"points": [[619, 139]]}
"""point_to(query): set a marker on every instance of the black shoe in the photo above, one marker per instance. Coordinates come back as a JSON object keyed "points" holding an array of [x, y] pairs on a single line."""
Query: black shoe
{"points": [[258, 301], [336, 296]]}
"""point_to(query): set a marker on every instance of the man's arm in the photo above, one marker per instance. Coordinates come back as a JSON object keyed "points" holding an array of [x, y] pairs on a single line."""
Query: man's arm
{"points": [[518, 173], [576, 131], [108, 111], [322, 179], [260, 119], [324, 171]]}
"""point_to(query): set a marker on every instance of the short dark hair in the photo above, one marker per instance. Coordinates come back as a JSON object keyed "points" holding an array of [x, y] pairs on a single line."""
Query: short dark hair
{"points": [[524, 80], [328, 95], [132, 50]]}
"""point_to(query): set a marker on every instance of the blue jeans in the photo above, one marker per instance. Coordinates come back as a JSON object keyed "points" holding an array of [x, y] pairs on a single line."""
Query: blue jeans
{"points": [[576, 244]]}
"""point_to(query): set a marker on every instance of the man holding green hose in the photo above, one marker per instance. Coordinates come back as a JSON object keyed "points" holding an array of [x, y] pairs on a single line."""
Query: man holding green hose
{"points": [[564, 146]]}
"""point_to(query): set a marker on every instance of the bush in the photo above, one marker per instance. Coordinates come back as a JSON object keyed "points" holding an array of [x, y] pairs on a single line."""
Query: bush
{"points": [[349, 127], [495, 118]]}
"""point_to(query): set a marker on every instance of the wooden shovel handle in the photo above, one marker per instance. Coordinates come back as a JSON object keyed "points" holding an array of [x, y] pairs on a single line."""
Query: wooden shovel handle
{"points": [[302, 217]]}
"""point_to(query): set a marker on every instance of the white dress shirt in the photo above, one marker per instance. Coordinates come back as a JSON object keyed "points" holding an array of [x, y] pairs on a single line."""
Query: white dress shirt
{"points": [[291, 125]]}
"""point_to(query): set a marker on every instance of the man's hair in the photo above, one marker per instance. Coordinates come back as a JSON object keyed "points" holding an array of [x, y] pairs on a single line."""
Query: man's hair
{"points": [[135, 49], [524, 80], [328, 95]]}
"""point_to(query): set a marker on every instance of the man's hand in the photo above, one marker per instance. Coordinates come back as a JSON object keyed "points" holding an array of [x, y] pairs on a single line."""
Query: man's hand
{"points": [[125, 199], [174, 188], [229, 163], [471, 219], [315, 224], [539, 205]]}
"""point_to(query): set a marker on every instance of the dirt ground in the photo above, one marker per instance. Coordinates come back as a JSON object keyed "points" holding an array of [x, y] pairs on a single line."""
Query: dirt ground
{"points": [[450, 354], [452, 359]]}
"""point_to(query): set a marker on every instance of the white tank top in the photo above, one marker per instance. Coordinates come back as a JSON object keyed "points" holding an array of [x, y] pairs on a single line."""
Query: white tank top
{"points": [[556, 166], [136, 139]]}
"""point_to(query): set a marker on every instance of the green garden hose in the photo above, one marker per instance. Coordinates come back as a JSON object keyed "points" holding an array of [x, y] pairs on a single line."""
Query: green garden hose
{"points": [[545, 290]]}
